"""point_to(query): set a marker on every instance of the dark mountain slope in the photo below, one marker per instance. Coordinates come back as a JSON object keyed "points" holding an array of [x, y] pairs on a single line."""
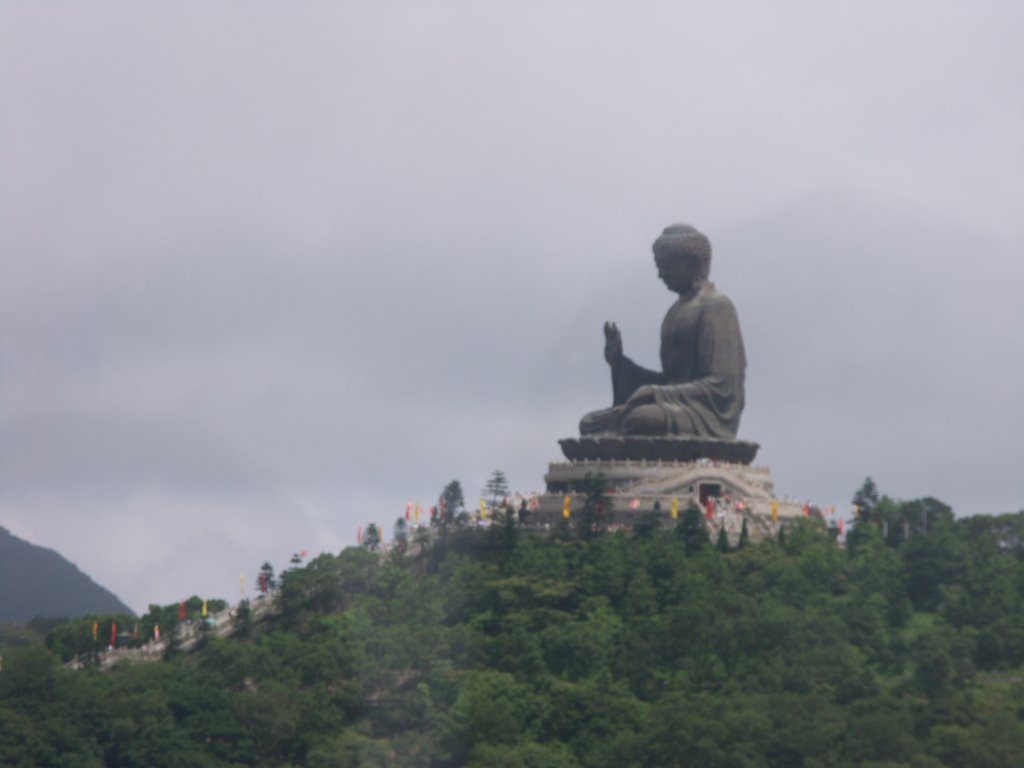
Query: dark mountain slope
{"points": [[35, 581]]}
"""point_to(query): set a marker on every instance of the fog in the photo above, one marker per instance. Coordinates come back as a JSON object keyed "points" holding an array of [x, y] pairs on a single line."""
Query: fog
{"points": [[270, 273]]}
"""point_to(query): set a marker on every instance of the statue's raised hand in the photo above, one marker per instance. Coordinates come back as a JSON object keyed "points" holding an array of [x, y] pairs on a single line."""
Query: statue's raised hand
{"points": [[612, 344]]}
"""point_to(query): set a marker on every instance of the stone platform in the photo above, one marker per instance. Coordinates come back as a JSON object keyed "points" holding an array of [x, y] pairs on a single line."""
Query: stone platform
{"points": [[668, 448], [651, 475]]}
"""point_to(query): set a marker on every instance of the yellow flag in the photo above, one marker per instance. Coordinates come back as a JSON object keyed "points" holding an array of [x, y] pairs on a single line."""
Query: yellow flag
{"points": [[775, 511], [95, 630], [567, 507], [483, 508], [856, 510], [205, 609], [417, 514], [675, 508]]}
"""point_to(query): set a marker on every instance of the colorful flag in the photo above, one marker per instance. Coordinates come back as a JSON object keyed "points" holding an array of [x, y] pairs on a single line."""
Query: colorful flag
{"points": [[567, 507], [483, 508], [775, 511], [709, 508], [156, 633], [634, 504], [675, 508], [205, 609]]}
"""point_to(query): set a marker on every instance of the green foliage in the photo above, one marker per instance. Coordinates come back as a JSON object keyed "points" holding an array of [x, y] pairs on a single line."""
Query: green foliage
{"points": [[452, 502], [372, 537], [691, 530], [496, 487], [722, 542], [504, 648], [592, 518]]}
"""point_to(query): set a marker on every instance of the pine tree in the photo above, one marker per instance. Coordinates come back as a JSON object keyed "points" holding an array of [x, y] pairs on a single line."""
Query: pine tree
{"points": [[865, 500], [452, 502], [744, 536], [692, 531], [722, 544], [371, 537], [497, 487], [592, 517], [265, 580], [401, 535]]}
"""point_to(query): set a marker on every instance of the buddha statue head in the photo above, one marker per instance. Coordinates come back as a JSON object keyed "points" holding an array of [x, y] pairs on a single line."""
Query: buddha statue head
{"points": [[683, 257]]}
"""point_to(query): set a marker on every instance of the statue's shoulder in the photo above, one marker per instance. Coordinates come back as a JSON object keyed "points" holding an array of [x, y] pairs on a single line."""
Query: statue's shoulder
{"points": [[710, 295]]}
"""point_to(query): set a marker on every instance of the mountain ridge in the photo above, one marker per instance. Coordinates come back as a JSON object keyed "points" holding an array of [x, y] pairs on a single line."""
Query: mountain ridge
{"points": [[38, 581]]}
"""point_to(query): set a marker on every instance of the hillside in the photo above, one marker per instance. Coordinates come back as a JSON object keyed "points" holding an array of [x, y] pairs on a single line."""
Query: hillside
{"points": [[35, 581], [580, 648]]}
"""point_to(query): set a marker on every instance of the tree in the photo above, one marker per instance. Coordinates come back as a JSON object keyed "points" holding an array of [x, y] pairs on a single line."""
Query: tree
{"points": [[452, 502], [597, 505], [922, 515], [401, 535], [497, 487], [265, 580], [865, 500], [647, 524], [744, 536], [722, 544], [371, 537], [866, 513], [692, 531]]}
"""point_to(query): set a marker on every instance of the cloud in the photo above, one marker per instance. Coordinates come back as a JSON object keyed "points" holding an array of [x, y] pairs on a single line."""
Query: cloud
{"points": [[271, 275]]}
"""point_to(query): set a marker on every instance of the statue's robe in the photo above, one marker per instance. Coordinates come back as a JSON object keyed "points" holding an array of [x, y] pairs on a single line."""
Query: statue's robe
{"points": [[700, 387]]}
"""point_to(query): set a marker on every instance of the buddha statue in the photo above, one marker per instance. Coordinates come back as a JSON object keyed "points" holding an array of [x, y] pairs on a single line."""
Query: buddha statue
{"points": [[699, 390]]}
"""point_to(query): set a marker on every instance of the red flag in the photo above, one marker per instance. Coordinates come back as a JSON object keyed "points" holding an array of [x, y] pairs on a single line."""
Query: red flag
{"points": [[709, 508], [634, 504], [807, 510], [113, 633], [181, 610], [359, 536], [135, 631], [841, 526], [95, 630], [156, 633]]}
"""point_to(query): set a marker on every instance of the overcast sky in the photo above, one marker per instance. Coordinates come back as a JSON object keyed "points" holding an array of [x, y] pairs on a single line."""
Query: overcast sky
{"points": [[268, 272]]}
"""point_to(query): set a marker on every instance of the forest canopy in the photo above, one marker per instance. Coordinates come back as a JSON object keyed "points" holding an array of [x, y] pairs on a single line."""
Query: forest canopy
{"points": [[646, 648]]}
